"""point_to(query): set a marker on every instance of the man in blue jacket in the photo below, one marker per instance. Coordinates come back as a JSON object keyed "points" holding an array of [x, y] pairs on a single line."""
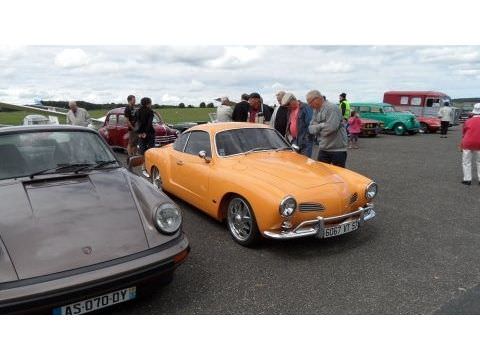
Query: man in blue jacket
{"points": [[299, 117]]}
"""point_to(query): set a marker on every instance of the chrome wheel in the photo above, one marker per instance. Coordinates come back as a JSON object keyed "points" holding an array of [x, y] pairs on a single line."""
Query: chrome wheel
{"points": [[156, 178], [240, 221]]}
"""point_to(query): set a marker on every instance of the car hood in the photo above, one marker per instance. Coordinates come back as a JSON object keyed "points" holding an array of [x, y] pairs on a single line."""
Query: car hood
{"points": [[287, 169], [61, 223]]}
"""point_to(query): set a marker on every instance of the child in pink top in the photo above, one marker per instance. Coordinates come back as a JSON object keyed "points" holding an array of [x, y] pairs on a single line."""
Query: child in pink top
{"points": [[354, 128]]}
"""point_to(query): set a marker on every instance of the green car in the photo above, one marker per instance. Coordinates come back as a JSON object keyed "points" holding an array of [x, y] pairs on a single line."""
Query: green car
{"points": [[393, 121]]}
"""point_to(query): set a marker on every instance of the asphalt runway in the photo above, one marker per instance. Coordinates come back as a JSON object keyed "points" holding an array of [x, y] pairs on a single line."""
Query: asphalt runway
{"points": [[419, 256]]}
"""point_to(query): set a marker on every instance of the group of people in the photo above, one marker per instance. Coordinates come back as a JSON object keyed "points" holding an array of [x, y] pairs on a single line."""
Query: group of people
{"points": [[318, 127]]}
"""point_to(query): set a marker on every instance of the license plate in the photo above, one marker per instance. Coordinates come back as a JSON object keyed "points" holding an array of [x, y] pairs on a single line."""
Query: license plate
{"points": [[340, 229], [96, 303]]}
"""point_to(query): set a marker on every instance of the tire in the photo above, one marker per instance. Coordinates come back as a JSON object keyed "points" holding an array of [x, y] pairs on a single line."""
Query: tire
{"points": [[241, 222], [399, 129], [155, 178], [424, 128]]}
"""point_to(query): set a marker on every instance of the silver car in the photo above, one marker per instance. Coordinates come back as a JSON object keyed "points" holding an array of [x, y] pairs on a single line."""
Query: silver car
{"points": [[78, 231]]}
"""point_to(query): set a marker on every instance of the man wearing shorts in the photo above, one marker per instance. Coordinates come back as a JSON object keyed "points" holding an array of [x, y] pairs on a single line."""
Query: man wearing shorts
{"points": [[131, 120]]}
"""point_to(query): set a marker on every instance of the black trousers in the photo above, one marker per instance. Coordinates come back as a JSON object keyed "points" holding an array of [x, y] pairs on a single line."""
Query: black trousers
{"points": [[145, 144], [338, 158], [444, 127]]}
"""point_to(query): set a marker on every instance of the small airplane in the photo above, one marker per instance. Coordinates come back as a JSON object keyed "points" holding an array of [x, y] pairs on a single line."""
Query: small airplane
{"points": [[50, 111]]}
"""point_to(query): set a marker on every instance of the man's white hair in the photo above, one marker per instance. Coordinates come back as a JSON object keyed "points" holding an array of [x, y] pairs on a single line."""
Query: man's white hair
{"points": [[312, 94], [72, 102]]}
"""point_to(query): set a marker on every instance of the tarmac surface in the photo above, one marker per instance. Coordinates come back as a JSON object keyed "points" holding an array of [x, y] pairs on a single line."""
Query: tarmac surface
{"points": [[420, 255]]}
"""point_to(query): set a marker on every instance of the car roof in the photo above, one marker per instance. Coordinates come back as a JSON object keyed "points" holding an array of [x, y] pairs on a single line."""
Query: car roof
{"points": [[116, 111], [416, 93], [370, 104], [42, 128], [221, 126]]}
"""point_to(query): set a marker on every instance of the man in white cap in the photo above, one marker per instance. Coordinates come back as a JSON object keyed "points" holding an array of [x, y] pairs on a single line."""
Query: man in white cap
{"points": [[224, 110], [298, 119], [77, 116], [445, 114], [471, 145]]}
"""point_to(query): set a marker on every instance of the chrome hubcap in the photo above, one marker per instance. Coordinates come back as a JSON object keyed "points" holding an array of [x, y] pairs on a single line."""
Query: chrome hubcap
{"points": [[156, 179], [239, 219]]}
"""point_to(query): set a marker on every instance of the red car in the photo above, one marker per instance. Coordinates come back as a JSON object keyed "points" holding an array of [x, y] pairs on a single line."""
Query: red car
{"points": [[115, 130], [429, 124]]}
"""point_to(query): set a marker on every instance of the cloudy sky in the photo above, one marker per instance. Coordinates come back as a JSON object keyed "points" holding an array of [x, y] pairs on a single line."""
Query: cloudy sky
{"points": [[170, 75]]}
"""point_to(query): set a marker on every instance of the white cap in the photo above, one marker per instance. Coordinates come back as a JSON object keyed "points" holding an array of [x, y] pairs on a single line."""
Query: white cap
{"points": [[476, 108], [287, 98]]}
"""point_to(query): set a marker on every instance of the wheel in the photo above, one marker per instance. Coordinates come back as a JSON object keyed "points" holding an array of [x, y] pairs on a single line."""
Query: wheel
{"points": [[399, 129], [155, 178], [424, 128], [241, 222]]}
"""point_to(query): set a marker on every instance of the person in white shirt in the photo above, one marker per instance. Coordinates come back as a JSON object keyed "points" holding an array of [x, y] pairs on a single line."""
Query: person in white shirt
{"points": [[445, 114], [224, 110], [77, 116]]}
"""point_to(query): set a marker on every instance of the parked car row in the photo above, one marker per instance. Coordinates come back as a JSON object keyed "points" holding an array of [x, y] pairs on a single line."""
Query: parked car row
{"points": [[79, 232]]}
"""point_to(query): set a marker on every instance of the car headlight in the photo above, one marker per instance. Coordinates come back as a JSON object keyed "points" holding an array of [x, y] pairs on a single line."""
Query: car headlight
{"points": [[287, 206], [371, 191], [168, 218]]}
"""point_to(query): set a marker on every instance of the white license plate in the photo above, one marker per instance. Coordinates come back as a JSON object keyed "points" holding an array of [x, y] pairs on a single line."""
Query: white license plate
{"points": [[340, 229], [96, 303]]}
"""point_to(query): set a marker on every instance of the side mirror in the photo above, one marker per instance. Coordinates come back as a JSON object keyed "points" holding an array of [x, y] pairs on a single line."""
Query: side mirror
{"points": [[134, 161], [296, 147], [203, 154]]}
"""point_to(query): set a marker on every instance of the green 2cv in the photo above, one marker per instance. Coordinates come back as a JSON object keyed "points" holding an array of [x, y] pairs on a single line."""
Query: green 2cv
{"points": [[394, 121]]}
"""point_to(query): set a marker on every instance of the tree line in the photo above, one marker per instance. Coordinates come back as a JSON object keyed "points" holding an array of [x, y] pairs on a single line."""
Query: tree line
{"points": [[92, 106]]}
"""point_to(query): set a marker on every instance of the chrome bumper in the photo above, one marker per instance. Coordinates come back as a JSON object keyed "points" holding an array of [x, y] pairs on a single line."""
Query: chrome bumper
{"points": [[317, 226]]}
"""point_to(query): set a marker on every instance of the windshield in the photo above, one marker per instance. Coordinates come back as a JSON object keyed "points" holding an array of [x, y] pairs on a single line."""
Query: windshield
{"points": [[237, 141], [24, 154], [389, 109]]}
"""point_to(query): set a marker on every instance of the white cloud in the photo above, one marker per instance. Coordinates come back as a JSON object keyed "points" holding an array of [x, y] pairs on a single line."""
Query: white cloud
{"points": [[71, 58], [170, 75], [170, 99], [237, 56], [334, 67]]}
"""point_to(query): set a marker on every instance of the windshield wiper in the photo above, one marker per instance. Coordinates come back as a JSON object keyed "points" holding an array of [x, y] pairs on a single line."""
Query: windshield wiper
{"points": [[62, 167], [101, 164], [284, 148], [257, 149]]}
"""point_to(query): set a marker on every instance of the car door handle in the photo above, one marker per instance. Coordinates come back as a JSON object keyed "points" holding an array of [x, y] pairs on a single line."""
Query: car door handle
{"points": [[179, 162]]}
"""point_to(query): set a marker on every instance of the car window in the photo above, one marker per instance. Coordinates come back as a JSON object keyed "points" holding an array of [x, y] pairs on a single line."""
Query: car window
{"points": [[237, 141], [404, 100], [388, 109], [23, 154], [376, 109], [364, 109], [179, 144], [433, 102], [416, 101], [112, 120], [198, 141], [121, 121]]}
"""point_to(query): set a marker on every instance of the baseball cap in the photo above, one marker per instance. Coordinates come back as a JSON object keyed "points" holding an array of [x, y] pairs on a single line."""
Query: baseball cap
{"points": [[476, 108], [287, 98], [254, 95]]}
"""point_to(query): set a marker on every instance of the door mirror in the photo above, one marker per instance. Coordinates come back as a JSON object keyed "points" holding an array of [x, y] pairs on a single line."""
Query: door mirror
{"points": [[203, 154], [134, 161]]}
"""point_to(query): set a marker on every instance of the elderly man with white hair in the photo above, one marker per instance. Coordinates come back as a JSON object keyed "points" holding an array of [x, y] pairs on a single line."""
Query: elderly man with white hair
{"points": [[77, 116], [327, 127], [279, 118]]}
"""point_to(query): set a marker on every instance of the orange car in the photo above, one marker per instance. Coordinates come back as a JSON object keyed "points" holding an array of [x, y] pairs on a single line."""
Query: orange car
{"points": [[250, 176]]}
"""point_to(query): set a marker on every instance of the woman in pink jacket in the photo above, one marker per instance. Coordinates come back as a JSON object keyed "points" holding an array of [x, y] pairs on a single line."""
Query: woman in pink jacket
{"points": [[471, 145], [354, 129]]}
